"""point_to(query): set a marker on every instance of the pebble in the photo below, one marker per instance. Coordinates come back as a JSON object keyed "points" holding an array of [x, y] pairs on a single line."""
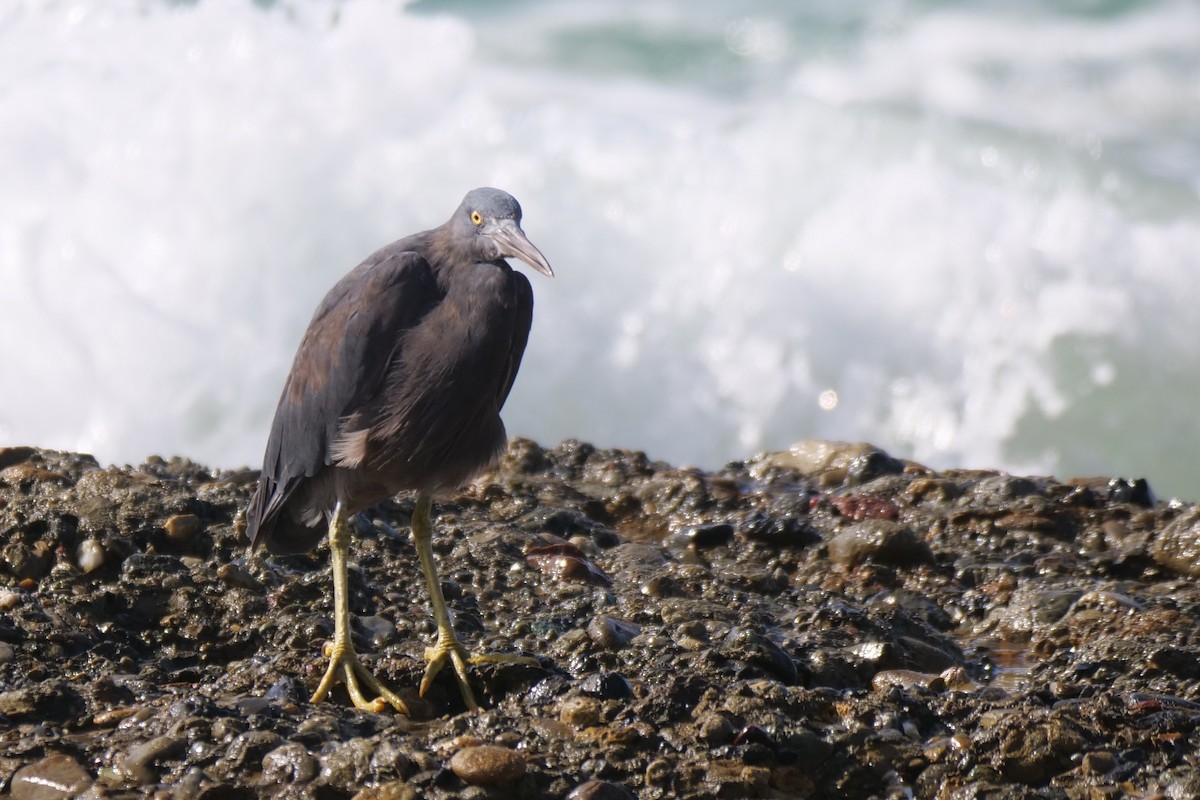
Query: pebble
{"points": [[90, 555], [487, 765], [9, 599], [54, 777], [347, 763], [658, 771], [600, 790], [879, 540], [236, 576], [1099, 762], [580, 712], [394, 790], [113, 716], [289, 763], [607, 686], [715, 729], [139, 760], [181, 528], [14, 455], [612, 634], [376, 630]]}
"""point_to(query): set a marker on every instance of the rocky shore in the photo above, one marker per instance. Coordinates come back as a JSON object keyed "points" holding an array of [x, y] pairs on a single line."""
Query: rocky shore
{"points": [[826, 622]]}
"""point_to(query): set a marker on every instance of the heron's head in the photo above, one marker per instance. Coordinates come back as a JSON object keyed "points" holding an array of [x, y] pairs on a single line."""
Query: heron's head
{"points": [[488, 223]]}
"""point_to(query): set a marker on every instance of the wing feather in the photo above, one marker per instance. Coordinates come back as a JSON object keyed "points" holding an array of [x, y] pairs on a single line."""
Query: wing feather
{"points": [[341, 365]]}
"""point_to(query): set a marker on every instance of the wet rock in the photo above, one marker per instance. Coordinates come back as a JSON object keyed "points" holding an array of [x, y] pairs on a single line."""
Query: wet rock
{"points": [[880, 541], [348, 763], [999, 490], [14, 455], [865, 506], [814, 457], [779, 531], [703, 537], [181, 528], [1178, 546], [607, 686], [376, 630], [141, 761], [715, 729], [26, 562], [1044, 651], [487, 765], [580, 712], [45, 701], [561, 567], [289, 763], [1136, 491], [53, 777], [394, 790], [1036, 753], [612, 634], [248, 749], [753, 647], [600, 790]]}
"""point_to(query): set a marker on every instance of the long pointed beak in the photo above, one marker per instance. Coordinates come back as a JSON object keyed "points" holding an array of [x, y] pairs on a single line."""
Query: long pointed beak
{"points": [[513, 243]]}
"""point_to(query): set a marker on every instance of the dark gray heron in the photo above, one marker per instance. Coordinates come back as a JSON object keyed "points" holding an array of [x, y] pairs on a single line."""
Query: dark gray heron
{"points": [[397, 386]]}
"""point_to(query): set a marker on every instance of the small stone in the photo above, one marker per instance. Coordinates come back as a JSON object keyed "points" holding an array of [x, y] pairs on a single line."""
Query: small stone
{"points": [[236, 576], [396, 790], [348, 763], [881, 541], [289, 763], [487, 765], [113, 716], [713, 534], [182, 528], [606, 686], [1099, 762], [612, 634], [377, 630], [14, 455], [580, 712], [658, 771], [9, 599], [90, 555], [715, 730], [600, 790], [53, 777], [140, 759], [25, 562]]}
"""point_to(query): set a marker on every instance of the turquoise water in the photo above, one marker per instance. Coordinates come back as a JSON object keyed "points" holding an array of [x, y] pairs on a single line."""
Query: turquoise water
{"points": [[968, 233]]}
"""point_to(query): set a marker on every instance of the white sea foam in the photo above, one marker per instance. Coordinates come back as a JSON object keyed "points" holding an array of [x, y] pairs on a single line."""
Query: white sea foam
{"points": [[945, 233]]}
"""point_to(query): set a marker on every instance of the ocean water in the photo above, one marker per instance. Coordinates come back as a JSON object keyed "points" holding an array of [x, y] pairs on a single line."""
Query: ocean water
{"points": [[968, 233]]}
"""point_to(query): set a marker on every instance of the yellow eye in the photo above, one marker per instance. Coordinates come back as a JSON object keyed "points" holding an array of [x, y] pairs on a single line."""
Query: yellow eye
{"points": [[476, 218]]}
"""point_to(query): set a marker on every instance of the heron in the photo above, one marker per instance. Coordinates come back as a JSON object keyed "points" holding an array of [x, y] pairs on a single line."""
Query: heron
{"points": [[397, 386]]}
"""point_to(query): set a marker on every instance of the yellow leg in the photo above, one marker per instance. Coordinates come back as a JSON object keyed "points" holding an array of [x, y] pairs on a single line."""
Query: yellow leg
{"points": [[447, 647], [342, 658]]}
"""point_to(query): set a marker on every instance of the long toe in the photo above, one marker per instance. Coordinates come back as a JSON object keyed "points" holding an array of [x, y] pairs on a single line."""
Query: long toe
{"points": [[453, 651], [344, 664], [436, 657]]}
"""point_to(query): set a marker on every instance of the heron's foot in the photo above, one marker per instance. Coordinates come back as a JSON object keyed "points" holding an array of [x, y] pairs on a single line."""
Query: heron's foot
{"points": [[452, 650], [344, 663]]}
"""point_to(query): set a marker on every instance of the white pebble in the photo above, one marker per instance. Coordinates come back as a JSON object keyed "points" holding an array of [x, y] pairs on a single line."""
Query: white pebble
{"points": [[90, 555]]}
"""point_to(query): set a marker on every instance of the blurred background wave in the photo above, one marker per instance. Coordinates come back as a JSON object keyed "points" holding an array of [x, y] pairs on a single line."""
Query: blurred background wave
{"points": [[968, 233]]}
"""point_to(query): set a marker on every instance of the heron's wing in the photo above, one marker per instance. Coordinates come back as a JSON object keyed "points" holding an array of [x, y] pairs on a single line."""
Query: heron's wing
{"points": [[342, 362], [524, 317]]}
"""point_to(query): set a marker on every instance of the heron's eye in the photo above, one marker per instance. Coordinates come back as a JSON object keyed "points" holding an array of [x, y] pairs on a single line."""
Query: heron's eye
{"points": [[476, 218]]}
